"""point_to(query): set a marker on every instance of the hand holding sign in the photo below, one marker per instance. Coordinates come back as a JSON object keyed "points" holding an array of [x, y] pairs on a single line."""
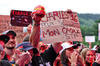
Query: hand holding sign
{"points": [[69, 11]]}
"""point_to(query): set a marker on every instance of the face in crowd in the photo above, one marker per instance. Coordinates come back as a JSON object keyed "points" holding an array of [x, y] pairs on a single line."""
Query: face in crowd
{"points": [[2, 52], [69, 51], [89, 57], [2, 43], [11, 43], [65, 54]]}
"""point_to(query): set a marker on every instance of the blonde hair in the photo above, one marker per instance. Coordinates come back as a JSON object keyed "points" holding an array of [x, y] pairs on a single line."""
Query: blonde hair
{"points": [[83, 54]]}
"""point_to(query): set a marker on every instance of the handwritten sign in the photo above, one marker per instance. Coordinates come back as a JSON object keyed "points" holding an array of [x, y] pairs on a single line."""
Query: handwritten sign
{"points": [[5, 25], [99, 30], [60, 26], [20, 18], [89, 38]]}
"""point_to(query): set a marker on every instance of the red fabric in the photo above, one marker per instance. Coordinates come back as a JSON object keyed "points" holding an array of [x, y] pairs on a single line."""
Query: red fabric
{"points": [[8, 56]]}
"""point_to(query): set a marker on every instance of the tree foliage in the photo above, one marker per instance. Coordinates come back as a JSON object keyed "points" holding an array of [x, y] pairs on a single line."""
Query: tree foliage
{"points": [[89, 26]]}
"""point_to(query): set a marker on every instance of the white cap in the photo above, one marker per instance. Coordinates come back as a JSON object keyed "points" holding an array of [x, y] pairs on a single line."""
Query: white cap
{"points": [[66, 45], [94, 48]]}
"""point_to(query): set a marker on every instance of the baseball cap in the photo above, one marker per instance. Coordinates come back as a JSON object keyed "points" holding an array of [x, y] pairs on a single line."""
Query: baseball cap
{"points": [[40, 10], [95, 47], [5, 38], [41, 43], [66, 45], [25, 46], [1, 48], [9, 32]]}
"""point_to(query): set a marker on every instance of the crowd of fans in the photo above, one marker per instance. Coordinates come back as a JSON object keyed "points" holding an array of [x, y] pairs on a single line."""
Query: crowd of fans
{"points": [[33, 52]]}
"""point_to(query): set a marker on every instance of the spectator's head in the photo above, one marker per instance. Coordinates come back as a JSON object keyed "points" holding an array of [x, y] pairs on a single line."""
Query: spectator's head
{"points": [[26, 39], [66, 51], [26, 46], [2, 53], [76, 44], [3, 40], [98, 49], [41, 45], [12, 41], [68, 45], [95, 48], [87, 56]]}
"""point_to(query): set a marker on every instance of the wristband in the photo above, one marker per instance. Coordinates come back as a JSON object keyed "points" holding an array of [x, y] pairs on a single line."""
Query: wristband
{"points": [[73, 64], [36, 24]]}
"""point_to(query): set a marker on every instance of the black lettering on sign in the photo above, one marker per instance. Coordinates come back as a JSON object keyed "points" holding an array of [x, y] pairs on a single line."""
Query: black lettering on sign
{"points": [[67, 37]]}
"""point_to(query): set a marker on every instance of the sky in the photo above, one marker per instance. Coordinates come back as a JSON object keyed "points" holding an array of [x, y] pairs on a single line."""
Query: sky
{"points": [[79, 6]]}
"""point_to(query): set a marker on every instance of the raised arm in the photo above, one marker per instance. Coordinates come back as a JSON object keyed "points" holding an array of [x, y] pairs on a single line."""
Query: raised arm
{"points": [[35, 35], [90, 45], [37, 14]]}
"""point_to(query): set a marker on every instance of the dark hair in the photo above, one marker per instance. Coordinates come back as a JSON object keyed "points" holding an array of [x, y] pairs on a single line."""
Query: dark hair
{"points": [[63, 57], [26, 39], [98, 50]]}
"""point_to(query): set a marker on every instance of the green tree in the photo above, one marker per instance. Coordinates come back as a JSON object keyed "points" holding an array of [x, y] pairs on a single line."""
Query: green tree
{"points": [[96, 30]]}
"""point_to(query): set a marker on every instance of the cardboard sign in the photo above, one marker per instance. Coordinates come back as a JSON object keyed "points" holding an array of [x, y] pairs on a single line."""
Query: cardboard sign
{"points": [[20, 18], [99, 30], [89, 38], [60, 26], [5, 25]]}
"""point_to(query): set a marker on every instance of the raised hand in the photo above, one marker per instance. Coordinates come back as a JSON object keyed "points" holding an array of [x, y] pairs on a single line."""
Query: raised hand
{"points": [[22, 58], [29, 28]]}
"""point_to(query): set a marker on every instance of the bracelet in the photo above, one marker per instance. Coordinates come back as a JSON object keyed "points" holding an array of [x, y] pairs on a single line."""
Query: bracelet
{"points": [[36, 24], [73, 64]]}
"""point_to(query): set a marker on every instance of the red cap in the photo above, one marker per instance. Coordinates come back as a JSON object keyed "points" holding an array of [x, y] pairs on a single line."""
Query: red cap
{"points": [[40, 10], [41, 43]]}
